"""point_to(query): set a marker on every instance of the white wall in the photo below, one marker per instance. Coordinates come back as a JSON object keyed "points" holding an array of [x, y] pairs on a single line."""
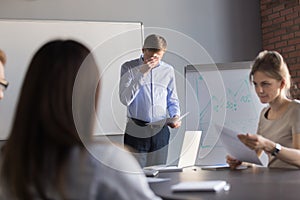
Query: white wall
{"points": [[227, 30]]}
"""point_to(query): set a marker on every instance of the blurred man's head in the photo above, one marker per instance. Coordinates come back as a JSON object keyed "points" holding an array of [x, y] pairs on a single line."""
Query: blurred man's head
{"points": [[3, 82]]}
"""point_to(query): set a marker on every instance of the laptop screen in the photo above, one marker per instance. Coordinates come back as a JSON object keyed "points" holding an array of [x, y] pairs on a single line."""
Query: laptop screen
{"points": [[189, 149]]}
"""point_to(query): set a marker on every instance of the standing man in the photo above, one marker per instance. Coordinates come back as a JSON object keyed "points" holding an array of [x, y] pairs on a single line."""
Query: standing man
{"points": [[148, 89], [3, 82]]}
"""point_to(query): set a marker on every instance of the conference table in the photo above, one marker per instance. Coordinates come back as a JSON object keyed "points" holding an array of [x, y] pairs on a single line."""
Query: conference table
{"points": [[253, 183]]}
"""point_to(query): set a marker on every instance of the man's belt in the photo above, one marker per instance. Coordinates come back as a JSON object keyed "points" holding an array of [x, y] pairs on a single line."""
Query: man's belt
{"points": [[139, 122], [143, 123]]}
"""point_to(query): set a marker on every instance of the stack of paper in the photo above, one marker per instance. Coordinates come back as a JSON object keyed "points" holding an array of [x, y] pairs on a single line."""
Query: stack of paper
{"points": [[150, 172], [194, 186], [164, 168]]}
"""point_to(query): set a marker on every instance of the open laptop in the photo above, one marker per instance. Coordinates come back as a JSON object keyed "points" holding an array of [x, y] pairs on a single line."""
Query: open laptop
{"points": [[188, 153]]}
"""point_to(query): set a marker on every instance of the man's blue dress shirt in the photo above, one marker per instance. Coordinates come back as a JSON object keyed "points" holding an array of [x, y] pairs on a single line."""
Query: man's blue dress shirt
{"points": [[150, 98]]}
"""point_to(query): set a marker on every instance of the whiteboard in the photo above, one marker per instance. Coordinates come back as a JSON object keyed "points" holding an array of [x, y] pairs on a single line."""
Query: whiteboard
{"points": [[112, 44], [219, 94]]}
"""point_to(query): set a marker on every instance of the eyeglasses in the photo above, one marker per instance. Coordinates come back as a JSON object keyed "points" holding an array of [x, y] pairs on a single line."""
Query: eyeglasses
{"points": [[3, 85]]}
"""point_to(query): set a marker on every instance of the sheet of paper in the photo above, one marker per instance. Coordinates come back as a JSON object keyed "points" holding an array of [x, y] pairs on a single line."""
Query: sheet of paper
{"points": [[168, 120], [215, 167], [236, 148], [164, 168], [157, 180], [222, 167]]}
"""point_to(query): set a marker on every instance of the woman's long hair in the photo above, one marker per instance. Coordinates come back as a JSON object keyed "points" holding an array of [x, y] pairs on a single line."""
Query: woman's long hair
{"points": [[44, 130]]}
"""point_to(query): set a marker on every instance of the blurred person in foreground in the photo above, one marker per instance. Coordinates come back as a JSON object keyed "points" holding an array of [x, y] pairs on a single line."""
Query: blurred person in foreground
{"points": [[49, 153]]}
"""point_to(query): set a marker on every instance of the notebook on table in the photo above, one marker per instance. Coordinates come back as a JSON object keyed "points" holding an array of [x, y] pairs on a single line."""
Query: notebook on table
{"points": [[198, 186]]}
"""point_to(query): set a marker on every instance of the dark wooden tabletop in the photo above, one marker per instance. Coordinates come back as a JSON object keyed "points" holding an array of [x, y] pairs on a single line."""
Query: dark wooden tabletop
{"points": [[254, 183]]}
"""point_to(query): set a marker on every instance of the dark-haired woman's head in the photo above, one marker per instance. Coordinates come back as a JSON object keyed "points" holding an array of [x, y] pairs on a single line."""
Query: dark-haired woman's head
{"points": [[55, 111], [58, 69]]}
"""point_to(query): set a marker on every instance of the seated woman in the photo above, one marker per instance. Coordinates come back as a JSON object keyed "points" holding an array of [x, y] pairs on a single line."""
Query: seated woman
{"points": [[278, 132], [48, 154]]}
